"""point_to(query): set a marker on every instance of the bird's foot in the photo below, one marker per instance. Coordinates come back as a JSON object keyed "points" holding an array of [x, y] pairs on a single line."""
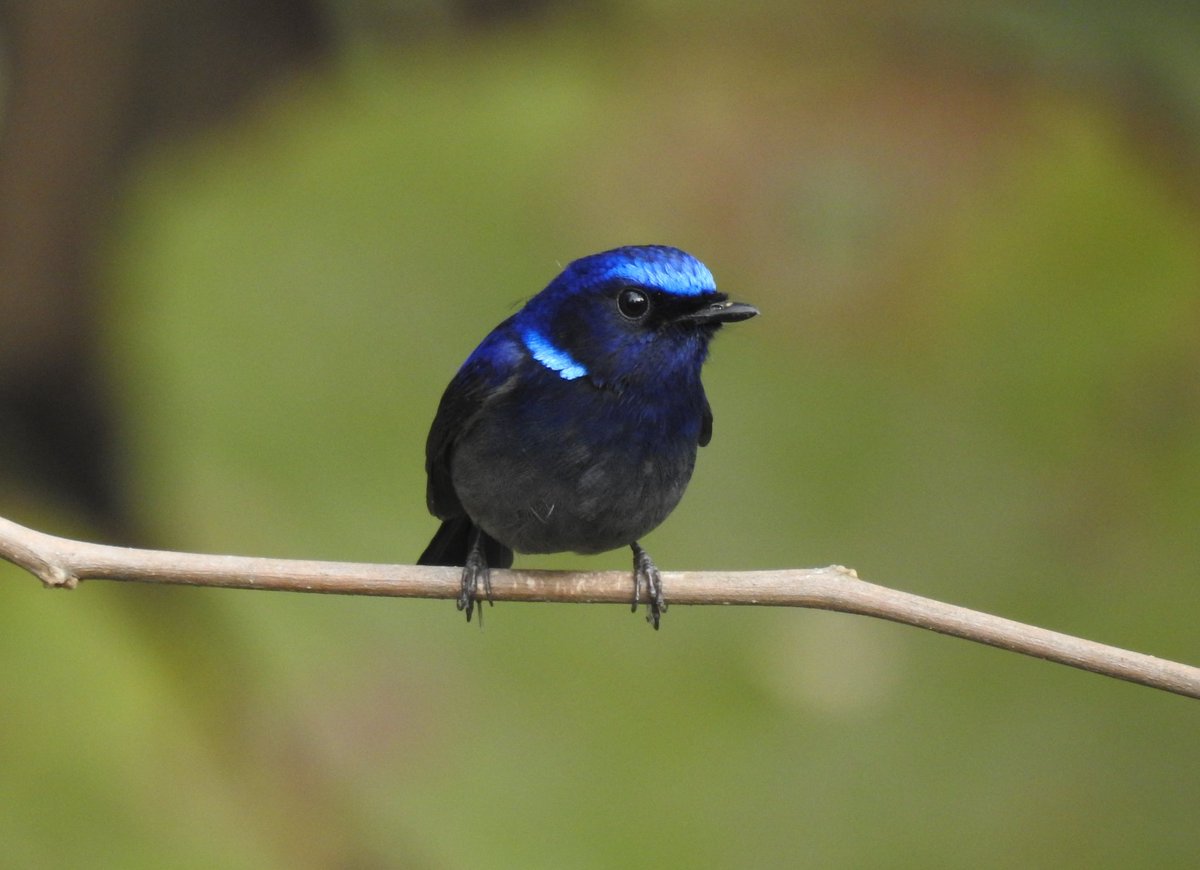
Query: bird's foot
{"points": [[646, 576], [475, 573]]}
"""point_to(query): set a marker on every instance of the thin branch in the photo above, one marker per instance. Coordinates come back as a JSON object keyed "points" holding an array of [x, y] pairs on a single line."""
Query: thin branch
{"points": [[61, 562]]}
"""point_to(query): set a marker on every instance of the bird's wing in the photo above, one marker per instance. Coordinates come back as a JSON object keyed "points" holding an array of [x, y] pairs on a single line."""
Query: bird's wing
{"points": [[706, 424], [481, 378]]}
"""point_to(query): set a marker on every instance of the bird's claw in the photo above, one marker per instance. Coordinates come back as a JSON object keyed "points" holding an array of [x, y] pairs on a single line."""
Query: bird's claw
{"points": [[645, 575], [475, 573]]}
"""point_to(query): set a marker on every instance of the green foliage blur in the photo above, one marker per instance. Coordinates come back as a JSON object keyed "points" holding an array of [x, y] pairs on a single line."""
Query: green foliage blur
{"points": [[974, 236]]}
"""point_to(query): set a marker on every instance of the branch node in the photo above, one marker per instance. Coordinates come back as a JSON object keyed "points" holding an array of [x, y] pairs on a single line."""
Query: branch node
{"points": [[56, 577]]}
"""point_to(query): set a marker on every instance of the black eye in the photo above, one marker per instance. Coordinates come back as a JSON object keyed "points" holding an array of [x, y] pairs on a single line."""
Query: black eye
{"points": [[634, 304]]}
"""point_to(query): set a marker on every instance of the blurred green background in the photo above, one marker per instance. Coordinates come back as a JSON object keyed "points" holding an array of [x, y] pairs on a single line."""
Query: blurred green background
{"points": [[974, 233]]}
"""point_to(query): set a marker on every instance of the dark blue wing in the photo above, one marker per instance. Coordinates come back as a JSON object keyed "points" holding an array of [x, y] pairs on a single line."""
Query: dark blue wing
{"points": [[706, 424], [481, 377]]}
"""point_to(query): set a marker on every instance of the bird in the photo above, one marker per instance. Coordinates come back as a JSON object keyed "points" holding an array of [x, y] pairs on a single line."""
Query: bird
{"points": [[574, 424]]}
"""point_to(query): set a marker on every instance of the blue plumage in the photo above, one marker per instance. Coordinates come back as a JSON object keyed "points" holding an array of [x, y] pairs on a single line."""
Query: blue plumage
{"points": [[574, 424], [548, 354]]}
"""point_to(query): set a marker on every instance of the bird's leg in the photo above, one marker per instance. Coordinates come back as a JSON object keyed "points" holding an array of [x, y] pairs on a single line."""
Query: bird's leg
{"points": [[646, 574], [475, 570]]}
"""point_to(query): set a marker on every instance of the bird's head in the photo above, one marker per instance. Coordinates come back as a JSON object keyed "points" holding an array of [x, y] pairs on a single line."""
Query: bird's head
{"points": [[630, 315]]}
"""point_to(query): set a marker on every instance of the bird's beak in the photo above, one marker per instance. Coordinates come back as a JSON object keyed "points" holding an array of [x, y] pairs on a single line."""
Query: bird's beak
{"points": [[722, 312]]}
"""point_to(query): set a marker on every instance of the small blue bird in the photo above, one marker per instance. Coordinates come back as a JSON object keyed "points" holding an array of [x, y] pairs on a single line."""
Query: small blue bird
{"points": [[574, 424]]}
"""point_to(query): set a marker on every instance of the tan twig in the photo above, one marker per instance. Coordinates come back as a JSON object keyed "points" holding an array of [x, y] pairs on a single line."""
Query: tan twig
{"points": [[61, 562]]}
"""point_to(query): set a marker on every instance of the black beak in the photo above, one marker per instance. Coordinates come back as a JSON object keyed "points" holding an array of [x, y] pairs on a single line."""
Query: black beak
{"points": [[722, 312]]}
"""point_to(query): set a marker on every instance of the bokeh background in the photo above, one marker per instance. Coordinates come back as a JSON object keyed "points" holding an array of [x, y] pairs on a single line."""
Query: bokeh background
{"points": [[244, 246]]}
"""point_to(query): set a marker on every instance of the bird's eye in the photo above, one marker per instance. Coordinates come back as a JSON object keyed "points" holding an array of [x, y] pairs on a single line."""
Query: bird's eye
{"points": [[633, 304]]}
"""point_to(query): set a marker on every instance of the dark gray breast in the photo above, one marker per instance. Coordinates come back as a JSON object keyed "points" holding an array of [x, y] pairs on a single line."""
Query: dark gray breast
{"points": [[566, 466]]}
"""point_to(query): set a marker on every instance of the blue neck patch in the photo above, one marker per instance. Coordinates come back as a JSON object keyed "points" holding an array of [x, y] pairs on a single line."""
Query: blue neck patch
{"points": [[656, 266], [552, 357]]}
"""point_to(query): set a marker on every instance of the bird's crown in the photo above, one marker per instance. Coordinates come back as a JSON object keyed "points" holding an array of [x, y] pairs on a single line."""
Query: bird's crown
{"points": [[657, 267]]}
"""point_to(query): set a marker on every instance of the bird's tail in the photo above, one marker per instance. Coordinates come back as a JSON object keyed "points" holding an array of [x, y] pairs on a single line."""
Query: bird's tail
{"points": [[451, 542]]}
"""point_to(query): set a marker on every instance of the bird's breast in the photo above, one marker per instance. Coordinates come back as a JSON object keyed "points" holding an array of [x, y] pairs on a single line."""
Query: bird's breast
{"points": [[574, 467]]}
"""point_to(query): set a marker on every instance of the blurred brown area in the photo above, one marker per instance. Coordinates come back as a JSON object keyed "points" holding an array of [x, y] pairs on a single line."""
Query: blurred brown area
{"points": [[91, 85]]}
